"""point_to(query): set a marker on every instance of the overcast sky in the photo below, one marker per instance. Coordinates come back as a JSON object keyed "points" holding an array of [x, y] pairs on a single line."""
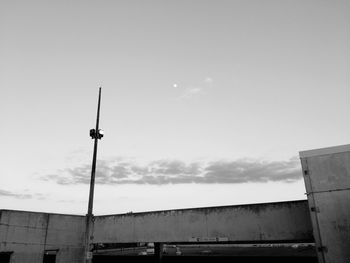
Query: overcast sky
{"points": [[204, 103]]}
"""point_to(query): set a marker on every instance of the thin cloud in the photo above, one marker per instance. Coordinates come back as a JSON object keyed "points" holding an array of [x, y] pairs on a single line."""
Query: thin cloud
{"points": [[191, 92], [242, 171], [177, 172], [208, 80], [15, 195]]}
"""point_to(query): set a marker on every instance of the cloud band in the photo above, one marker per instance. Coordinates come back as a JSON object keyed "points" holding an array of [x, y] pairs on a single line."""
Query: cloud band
{"points": [[177, 172]]}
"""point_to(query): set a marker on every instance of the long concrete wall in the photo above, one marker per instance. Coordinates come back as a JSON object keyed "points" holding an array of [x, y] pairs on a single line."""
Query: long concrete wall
{"points": [[281, 221], [29, 234]]}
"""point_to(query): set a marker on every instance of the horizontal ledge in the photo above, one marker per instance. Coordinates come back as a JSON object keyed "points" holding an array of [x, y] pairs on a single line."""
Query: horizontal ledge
{"points": [[325, 151]]}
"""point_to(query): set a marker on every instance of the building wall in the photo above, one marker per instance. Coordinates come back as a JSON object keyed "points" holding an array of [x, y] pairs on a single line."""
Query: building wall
{"points": [[29, 234], [327, 181], [281, 221]]}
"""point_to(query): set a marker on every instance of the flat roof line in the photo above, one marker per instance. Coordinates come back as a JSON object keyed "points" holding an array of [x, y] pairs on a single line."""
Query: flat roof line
{"points": [[38, 212], [325, 151], [207, 208]]}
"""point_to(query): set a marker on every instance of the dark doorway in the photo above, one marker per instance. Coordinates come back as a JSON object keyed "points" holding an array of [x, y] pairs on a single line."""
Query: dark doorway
{"points": [[5, 257], [50, 256]]}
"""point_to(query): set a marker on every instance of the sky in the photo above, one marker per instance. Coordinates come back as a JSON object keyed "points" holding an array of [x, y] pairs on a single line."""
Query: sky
{"points": [[204, 103]]}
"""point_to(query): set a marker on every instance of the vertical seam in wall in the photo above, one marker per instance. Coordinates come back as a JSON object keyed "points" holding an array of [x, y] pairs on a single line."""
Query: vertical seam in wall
{"points": [[133, 227], [206, 222], [92, 230], [7, 228], [315, 214], [46, 230]]}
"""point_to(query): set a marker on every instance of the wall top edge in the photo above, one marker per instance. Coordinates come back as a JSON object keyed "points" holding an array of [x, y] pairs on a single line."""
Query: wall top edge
{"points": [[289, 202], [34, 212], [325, 151]]}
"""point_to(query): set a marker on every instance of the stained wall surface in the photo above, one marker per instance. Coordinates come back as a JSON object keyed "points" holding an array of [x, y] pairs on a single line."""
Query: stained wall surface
{"points": [[327, 180], [29, 234], [281, 221]]}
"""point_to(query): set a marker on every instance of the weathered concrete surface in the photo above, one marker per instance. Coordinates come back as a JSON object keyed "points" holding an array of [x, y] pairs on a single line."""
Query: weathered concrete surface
{"points": [[29, 234], [281, 221], [327, 181]]}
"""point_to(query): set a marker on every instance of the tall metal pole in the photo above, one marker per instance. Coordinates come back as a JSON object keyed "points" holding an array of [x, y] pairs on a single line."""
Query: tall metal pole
{"points": [[89, 216], [93, 169]]}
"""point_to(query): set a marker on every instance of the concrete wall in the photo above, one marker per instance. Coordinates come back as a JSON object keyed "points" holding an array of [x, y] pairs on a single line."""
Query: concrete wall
{"points": [[281, 221], [29, 234], [327, 181]]}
